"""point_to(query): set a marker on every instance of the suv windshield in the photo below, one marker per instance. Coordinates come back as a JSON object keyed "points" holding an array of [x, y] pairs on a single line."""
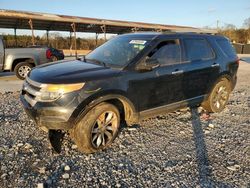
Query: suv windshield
{"points": [[118, 52]]}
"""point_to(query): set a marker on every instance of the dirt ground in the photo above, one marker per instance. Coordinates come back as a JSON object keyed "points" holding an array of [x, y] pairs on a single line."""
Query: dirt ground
{"points": [[244, 74]]}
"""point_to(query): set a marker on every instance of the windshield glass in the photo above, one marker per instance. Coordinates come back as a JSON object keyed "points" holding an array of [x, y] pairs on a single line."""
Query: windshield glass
{"points": [[118, 52]]}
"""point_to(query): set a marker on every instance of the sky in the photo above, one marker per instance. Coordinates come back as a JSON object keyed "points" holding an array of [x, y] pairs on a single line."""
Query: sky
{"points": [[196, 13]]}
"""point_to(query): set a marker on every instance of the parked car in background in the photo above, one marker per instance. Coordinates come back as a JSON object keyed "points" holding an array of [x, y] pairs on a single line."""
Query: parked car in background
{"points": [[54, 54], [127, 79], [51, 53], [22, 60]]}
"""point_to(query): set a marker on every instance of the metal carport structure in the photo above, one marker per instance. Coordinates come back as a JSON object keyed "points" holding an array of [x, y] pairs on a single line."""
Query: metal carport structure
{"points": [[52, 22]]}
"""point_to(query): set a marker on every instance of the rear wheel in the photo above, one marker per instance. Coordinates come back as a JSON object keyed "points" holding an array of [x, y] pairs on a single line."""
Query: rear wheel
{"points": [[218, 97], [97, 129], [22, 69]]}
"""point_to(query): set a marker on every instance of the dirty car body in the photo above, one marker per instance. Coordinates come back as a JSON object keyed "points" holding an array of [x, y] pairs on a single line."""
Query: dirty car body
{"points": [[133, 73]]}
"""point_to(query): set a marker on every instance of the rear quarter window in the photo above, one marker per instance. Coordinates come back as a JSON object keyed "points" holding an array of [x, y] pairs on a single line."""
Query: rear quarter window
{"points": [[226, 47], [197, 49]]}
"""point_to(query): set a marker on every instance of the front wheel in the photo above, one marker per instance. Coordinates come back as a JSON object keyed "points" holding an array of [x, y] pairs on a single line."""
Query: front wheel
{"points": [[97, 129], [22, 69], [218, 97]]}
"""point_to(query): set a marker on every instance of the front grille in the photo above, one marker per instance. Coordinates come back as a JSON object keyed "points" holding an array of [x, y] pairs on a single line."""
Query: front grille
{"points": [[31, 91]]}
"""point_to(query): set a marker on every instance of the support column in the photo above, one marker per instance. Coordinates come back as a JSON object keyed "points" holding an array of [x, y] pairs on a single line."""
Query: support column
{"points": [[70, 42], [15, 37], [32, 30], [103, 28], [96, 39], [73, 25], [47, 37]]}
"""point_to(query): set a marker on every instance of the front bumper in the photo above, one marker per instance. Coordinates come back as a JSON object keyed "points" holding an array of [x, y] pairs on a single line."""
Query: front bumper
{"points": [[50, 115], [56, 118]]}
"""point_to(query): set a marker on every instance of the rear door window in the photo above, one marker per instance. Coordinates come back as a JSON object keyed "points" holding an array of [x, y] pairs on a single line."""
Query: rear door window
{"points": [[226, 47], [167, 52], [197, 49]]}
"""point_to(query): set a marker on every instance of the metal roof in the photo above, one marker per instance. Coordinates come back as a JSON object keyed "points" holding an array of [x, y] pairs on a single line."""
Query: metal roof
{"points": [[54, 22]]}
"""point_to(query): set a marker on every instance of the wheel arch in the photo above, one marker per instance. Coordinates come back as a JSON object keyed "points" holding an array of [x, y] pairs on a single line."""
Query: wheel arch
{"points": [[19, 60], [207, 104], [221, 76], [227, 76], [125, 106]]}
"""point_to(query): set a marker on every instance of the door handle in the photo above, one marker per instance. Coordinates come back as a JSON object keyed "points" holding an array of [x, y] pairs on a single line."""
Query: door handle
{"points": [[215, 65], [178, 72]]}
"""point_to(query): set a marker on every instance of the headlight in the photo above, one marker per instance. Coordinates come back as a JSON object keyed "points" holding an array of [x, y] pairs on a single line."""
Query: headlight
{"points": [[51, 92]]}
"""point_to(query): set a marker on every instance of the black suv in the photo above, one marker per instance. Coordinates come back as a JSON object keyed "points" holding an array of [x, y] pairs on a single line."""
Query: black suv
{"points": [[130, 77]]}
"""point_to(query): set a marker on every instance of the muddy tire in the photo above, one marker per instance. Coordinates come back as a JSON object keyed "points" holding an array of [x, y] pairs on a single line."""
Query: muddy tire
{"points": [[218, 98], [97, 129], [22, 69]]}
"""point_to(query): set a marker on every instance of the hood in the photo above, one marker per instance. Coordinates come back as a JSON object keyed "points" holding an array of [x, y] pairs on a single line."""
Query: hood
{"points": [[65, 72]]}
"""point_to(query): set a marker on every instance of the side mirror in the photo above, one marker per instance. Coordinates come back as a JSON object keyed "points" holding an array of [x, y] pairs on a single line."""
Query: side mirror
{"points": [[148, 64]]}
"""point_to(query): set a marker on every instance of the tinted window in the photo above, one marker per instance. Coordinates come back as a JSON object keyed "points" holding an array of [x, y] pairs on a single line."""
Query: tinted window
{"points": [[197, 49], [167, 52], [226, 47]]}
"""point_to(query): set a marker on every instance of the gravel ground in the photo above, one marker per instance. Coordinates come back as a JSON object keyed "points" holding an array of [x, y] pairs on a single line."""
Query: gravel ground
{"points": [[178, 149]]}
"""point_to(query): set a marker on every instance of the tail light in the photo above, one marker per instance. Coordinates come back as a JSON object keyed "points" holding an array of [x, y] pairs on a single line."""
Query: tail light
{"points": [[48, 53]]}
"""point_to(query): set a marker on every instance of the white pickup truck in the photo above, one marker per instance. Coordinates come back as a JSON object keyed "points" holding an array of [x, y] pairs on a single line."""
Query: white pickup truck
{"points": [[22, 60]]}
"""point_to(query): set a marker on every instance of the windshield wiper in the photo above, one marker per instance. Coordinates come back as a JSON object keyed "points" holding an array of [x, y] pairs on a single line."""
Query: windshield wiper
{"points": [[96, 61]]}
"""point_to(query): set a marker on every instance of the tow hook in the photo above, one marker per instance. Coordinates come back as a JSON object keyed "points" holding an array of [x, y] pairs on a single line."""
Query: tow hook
{"points": [[56, 139]]}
